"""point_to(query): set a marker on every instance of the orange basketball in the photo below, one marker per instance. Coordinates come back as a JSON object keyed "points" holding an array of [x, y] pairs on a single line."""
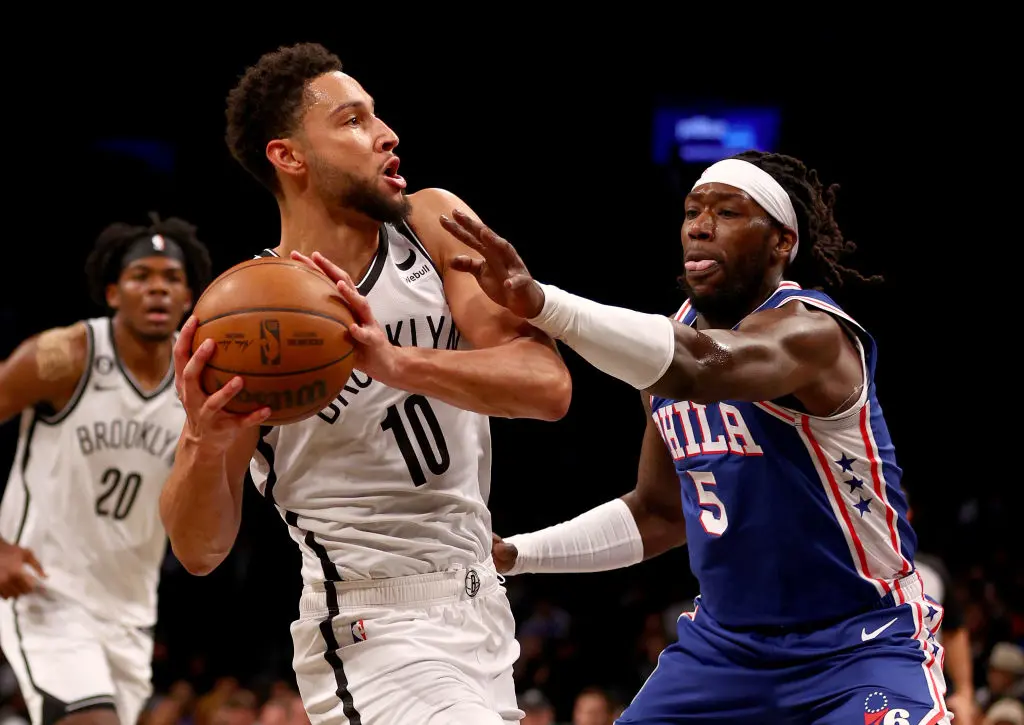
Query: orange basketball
{"points": [[283, 328]]}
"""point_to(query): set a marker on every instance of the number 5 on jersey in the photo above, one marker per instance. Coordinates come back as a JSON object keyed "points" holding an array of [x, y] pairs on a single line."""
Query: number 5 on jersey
{"points": [[717, 521], [416, 411]]}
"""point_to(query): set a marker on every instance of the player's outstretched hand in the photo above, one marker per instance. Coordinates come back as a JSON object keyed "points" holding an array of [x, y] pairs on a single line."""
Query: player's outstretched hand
{"points": [[501, 273], [375, 355], [20, 571], [207, 419], [504, 555]]}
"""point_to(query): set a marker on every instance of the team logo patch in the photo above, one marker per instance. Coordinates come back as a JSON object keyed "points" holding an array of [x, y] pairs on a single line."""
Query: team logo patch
{"points": [[358, 631], [875, 706], [472, 583], [158, 243]]}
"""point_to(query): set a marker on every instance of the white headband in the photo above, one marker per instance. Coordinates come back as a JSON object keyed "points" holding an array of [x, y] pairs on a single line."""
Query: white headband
{"points": [[762, 188]]}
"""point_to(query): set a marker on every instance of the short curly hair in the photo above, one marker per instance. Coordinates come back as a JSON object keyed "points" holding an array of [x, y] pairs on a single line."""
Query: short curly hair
{"points": [[103, 265], [268, 101]]}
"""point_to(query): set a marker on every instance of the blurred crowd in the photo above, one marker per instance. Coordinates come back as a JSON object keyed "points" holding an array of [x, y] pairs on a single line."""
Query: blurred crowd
{"points": [[588, 641]]}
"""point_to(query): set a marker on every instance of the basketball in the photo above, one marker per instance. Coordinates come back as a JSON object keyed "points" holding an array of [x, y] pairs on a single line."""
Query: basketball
{"points": [[283, 328]]}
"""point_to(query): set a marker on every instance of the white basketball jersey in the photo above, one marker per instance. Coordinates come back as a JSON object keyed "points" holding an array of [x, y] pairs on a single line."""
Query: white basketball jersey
{"points": [[83, 493], [383, 483]]}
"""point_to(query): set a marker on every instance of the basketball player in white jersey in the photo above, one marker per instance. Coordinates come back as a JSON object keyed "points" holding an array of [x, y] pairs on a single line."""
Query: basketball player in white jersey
{"points": [[402, 618], [81, 541]]}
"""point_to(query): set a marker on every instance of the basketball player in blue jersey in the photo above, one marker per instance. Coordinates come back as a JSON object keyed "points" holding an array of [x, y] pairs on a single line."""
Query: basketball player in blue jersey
{"points": [[766, 451], [402, 618], [81, 543]]}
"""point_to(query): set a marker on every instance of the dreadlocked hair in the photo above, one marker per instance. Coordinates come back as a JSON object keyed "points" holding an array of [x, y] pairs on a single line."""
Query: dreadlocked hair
{"points": [[103, 266], [821, 241]]}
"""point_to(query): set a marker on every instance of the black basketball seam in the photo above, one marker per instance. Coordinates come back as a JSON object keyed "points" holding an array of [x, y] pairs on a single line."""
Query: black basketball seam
{"points": [[311, 313], [281, 375], [265, 260]]}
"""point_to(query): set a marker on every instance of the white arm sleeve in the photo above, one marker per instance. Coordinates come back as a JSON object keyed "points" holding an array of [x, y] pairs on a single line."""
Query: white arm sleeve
{"points": [[601, 539], [634, 347]]}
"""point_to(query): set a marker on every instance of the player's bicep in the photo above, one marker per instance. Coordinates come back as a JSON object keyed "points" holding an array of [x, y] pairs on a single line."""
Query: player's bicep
{"points": [[480, 320], [483, 322], [45, 368], [772, 353], [657, 492]]}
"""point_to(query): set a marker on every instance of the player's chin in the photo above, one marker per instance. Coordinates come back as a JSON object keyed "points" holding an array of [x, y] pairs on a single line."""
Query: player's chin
{"points": [[705, 283]]}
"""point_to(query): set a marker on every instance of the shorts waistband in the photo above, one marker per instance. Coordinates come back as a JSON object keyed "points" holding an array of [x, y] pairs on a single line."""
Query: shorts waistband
{"points": [[901, 590], [459, 582]]}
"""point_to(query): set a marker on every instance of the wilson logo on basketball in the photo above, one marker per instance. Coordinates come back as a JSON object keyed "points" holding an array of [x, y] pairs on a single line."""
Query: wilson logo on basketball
{"points": [[270, 342]]}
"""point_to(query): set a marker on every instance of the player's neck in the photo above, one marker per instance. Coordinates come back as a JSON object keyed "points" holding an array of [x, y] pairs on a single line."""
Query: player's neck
{"points": [[348, 239], [146, 360]]}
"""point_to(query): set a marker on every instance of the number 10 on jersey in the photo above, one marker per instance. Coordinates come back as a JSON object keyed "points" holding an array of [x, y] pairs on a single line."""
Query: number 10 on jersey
{"points": [[415, 414]]}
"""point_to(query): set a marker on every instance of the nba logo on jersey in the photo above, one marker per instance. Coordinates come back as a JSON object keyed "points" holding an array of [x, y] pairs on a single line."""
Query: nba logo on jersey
{"points": [[270, 342], [358, 631], [158, 243]]}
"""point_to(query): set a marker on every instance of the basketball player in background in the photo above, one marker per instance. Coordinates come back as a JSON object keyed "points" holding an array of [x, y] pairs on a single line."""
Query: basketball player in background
{"points": [[779, 470], [81, 542], [402, 618]]}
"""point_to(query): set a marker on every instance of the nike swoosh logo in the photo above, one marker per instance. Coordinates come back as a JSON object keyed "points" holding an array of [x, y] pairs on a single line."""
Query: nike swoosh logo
{"points": [[103, 388], [865, 635], [406, 263]]}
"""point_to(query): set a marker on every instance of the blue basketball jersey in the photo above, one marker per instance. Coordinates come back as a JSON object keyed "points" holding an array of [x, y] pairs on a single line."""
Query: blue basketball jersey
{"points": [[791, 518]]}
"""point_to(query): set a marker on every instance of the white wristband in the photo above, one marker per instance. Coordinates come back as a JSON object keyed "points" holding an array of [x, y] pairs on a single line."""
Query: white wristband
{"points": [[634, 347], [601, 539]]}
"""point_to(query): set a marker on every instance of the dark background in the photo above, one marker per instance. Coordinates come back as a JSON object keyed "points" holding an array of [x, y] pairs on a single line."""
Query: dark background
{"points": [[544, 130]]}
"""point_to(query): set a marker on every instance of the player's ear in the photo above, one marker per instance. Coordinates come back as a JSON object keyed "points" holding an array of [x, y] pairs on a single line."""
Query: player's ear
{"points": [[786, 241], [188, 300], [113, 296], [286, 156]]}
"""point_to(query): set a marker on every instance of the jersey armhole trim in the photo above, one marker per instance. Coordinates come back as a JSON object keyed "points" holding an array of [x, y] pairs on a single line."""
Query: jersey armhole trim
{"points": [[853, 411], [83, 381], [419, 245]]}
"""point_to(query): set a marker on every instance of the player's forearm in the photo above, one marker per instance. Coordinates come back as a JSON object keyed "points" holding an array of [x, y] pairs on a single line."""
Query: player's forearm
{"points": [[958, 661], [608, 537], [198, 508], [520, 379]]}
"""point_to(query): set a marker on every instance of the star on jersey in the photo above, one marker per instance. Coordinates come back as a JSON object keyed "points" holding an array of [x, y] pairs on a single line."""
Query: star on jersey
{"points": [[854, 483], [846, 463], [932, 611], [864, 506]]}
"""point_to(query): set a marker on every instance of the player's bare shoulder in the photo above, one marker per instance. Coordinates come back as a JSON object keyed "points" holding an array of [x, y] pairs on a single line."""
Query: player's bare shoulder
{"points": [[426, 208], [45, 368], [61, 353], [804, 330]]}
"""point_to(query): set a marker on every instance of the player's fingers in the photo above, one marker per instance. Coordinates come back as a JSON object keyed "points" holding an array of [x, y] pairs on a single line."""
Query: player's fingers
{"points": [[495, 539], [333, 271], [22, 583], [194, 366], [256, 417], [358, 304], [502, 246], [33, 562], [464, 235], [463, 263], [223, 396], [518, 281], [183, 345], [302, 258]]}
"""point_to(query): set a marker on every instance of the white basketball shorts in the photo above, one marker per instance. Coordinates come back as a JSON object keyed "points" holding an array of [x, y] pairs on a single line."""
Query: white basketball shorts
{"points": [[433, 649], [67, 660]]}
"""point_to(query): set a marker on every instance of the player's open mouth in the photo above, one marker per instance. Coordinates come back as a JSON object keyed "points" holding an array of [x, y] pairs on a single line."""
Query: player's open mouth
{"points": [[157, 314], [700, 267], [391, 174]]}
